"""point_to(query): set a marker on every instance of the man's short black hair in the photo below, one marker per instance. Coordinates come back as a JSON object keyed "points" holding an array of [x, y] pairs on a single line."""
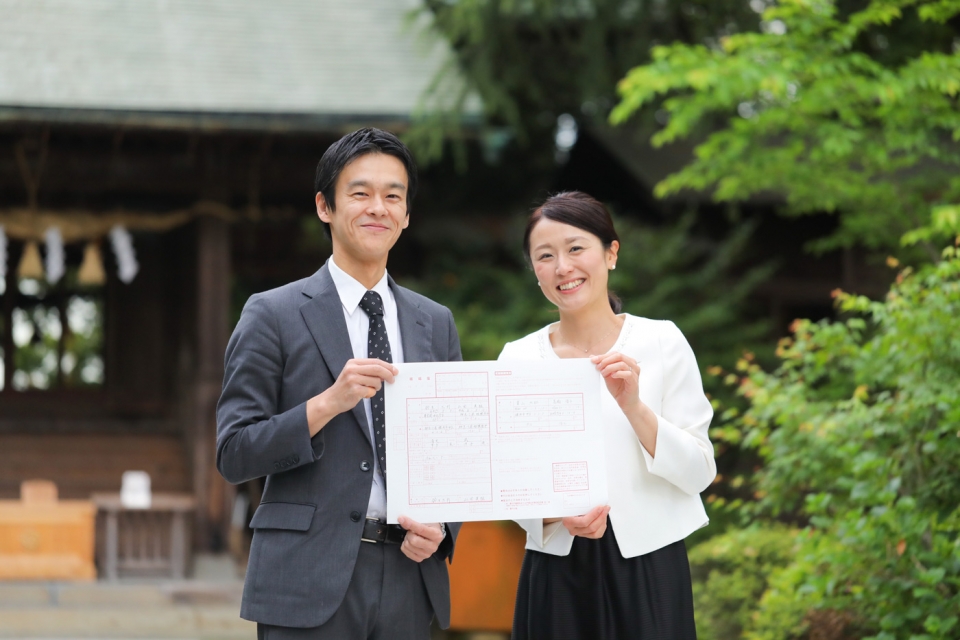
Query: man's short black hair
{"points": [[349, 148]]}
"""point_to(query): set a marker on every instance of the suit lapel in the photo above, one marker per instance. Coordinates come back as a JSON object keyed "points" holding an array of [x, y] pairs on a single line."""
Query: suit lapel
{"points": [[416, 326], [323, 315]]}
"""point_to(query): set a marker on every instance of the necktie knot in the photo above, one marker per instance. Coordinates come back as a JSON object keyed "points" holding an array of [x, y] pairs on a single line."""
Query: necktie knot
{"points": [[372, 303]]}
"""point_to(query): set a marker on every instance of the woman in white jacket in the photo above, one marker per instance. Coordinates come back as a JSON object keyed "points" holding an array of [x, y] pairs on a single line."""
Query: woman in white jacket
{"points": [[620, 570]]}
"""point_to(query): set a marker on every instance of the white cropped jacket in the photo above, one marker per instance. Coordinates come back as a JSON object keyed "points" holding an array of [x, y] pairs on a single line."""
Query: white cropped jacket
{"points": [[653, 501]]}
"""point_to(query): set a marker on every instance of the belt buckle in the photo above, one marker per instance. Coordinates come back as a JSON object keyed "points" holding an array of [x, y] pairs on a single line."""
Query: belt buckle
{"points": [[362, 539]]}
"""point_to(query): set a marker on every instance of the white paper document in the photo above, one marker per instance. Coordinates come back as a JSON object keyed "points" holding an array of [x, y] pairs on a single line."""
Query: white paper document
{"points": [[494, 440]]}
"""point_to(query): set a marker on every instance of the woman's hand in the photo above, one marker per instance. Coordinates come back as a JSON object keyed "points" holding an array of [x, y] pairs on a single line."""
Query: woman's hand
{"points": [[592, 524], [622, 376]]}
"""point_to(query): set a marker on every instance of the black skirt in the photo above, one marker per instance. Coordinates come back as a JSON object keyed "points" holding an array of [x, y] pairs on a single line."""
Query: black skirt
{"points": [[596, 594]]}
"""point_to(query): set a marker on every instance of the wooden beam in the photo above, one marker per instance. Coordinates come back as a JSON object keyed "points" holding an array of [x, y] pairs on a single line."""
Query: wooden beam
{"points": [[213, 314]]}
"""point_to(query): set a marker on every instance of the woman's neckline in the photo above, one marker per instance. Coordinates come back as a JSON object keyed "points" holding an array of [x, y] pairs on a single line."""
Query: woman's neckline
{"points": [[547, 347]]}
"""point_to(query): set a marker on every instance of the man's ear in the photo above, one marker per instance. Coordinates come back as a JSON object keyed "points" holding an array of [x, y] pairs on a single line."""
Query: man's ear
{"points": [[323, 212], [406, 221]]}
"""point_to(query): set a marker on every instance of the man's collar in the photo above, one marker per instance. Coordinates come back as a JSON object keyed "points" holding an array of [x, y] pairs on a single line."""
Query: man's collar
{"points": [[350, 290]]}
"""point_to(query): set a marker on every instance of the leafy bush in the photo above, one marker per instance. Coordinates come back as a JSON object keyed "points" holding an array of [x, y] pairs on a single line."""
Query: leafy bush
{"points": [[859, 429], [730, 573]]}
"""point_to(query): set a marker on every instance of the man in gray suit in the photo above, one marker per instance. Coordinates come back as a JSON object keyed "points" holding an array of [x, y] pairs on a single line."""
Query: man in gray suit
{"points": [[302, 405]]}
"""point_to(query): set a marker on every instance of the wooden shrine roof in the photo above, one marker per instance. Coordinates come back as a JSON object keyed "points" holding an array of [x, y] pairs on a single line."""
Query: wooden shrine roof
{"points": [[310, 63]]}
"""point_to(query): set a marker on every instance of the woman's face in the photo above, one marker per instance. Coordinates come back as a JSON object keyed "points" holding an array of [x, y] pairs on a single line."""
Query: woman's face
{"points": [[571, 264]]}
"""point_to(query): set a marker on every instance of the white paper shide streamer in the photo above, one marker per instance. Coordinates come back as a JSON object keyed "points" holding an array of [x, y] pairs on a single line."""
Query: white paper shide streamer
{"points": [[54, 263], [3, 254], [122, 242]]}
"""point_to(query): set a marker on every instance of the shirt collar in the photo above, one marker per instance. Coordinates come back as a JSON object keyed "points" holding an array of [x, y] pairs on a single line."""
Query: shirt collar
{"points": [[350, 289]]}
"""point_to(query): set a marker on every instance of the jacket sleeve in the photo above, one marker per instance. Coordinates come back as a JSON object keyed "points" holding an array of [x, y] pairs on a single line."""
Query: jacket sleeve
{"points": [[253, 438], [453, 349], [684, 452]]}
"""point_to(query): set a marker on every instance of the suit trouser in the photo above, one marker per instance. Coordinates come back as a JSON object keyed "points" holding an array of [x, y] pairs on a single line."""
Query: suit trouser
{"points": [[386, 600]]}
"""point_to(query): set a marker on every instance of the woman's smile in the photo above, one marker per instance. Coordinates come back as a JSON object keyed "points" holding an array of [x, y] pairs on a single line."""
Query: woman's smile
{"points": [[568, 287]]}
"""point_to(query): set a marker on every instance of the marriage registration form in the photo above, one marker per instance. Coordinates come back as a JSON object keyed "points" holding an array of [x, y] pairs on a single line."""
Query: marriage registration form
{"points": [[494, 440]]}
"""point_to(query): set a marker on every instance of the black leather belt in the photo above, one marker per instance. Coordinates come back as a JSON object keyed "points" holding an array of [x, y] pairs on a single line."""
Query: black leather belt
{"points": [[375, 531]]}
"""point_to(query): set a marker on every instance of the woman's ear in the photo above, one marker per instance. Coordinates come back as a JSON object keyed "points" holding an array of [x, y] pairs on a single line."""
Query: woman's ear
{"points": [[612, 254]]}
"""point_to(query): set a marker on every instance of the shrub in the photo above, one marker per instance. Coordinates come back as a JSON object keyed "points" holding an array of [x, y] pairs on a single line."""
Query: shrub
{"points": [[731, 572], [859, 430]]}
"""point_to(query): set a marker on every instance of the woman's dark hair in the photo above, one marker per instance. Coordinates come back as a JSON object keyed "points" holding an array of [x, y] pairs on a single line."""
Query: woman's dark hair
{"points": [[349, 148], [579, 210]]}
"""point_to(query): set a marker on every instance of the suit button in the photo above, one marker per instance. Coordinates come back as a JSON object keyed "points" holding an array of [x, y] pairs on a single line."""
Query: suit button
{"points": [[365, 465], [355, 516]]}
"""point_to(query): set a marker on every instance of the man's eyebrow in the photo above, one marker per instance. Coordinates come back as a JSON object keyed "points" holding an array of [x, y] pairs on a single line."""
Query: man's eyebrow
{"points": [[366, 183]]}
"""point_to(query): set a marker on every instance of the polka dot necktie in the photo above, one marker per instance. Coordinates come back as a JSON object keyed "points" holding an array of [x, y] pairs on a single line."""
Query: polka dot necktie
{"points": [[378, 346]]}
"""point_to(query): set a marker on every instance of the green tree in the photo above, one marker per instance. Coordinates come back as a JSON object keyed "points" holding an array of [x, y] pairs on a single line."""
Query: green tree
{"points": [[530, 61], [859, 431], [853, 112]]}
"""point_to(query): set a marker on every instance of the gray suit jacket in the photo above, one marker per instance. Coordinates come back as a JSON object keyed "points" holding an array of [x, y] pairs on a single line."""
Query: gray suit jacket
{"points": [[291, 344]]}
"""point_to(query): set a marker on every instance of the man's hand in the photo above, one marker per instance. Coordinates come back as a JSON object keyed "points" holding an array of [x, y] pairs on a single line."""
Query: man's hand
{"points": [[360, 378], [422, 540], [592, 524]]}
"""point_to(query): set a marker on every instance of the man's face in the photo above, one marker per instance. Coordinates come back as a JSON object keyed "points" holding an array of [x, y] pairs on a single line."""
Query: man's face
{"points": [[371, 209]]}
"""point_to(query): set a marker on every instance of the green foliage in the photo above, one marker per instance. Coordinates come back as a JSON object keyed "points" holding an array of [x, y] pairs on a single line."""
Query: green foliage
{"points": [[671, 272], [785, 607], [491, 304], [531, 60], [57, 333], [859, 429], [731, 572], [944, 222], [854, 113]]}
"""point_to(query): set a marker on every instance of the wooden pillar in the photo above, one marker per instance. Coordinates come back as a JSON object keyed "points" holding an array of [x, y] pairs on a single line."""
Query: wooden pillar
{"points": [[213, 316]]}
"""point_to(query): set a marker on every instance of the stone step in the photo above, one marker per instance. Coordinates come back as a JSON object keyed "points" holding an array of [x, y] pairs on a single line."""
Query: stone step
{"points": [[148, 610], [173, 621]]}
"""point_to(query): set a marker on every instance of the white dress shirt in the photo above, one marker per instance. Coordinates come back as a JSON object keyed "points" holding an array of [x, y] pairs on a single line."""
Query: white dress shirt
{"points": [[358, 326], [654, 501]]}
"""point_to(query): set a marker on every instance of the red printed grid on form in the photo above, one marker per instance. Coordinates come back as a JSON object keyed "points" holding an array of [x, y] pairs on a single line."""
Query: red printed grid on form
{"points": [[448, 450], [570, 476], [532, 413]]}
